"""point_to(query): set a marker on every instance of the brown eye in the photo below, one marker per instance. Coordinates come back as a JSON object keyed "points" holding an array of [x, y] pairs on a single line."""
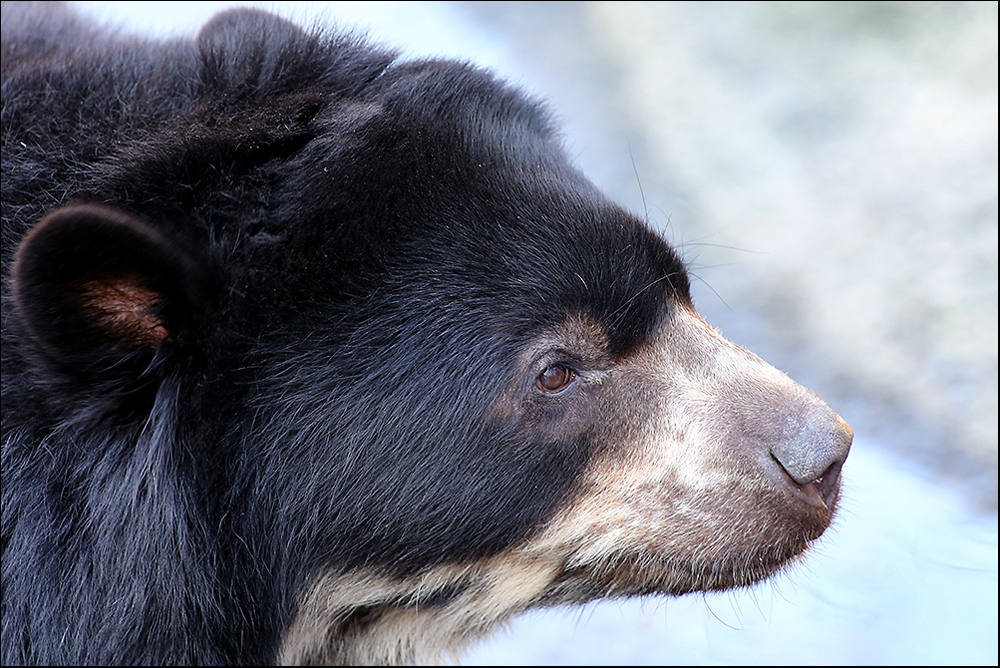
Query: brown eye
{"points": [[555, 378]]}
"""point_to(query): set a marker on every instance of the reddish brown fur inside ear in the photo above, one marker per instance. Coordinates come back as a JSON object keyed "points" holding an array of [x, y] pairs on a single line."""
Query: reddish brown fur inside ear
{"points": [[123, 305]]}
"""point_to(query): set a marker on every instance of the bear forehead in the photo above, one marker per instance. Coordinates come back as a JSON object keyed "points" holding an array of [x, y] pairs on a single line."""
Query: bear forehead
{"points": [[440, 178]]}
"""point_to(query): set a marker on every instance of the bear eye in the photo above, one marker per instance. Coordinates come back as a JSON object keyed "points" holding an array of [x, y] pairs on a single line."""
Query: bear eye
{"points": [[555, 378]]}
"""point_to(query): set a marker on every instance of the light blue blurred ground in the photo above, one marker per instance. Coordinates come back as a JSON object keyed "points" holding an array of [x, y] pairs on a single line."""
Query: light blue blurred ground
{"points": [[909, 572]]}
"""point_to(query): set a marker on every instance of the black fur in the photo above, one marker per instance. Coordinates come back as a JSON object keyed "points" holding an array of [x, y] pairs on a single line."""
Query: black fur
{"points": [[283, 279]]}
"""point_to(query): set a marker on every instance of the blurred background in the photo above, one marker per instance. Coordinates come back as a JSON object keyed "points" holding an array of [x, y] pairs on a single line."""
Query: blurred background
{"points": [[829, 172]]}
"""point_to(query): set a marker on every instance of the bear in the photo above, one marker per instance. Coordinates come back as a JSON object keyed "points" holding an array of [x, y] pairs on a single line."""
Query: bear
{"points": [[315, 355]]}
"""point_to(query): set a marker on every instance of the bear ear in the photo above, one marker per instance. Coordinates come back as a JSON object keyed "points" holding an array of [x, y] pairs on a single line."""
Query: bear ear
{"points": [[93, 286], [242, 47]]}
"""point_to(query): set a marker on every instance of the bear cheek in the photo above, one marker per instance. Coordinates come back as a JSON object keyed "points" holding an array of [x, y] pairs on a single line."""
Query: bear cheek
{"points": [[723, 471]]}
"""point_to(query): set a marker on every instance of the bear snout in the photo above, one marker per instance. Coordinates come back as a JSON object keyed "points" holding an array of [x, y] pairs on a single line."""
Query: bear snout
{"points": [[760, 416]]}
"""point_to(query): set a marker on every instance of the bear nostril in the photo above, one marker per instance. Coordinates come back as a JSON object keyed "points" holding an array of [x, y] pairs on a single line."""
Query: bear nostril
{"points": [[824, 488], [811, 460]]}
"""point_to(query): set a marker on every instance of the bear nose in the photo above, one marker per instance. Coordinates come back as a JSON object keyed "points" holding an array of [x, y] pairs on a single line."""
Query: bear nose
{"points": [[813, 455]]}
